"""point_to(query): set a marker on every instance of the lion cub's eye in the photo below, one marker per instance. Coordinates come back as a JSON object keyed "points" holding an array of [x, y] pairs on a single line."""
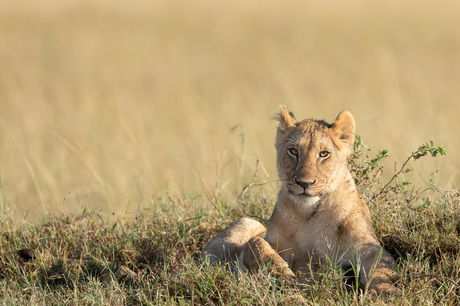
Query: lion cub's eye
{"points": [[324, 154], [293, 152]]}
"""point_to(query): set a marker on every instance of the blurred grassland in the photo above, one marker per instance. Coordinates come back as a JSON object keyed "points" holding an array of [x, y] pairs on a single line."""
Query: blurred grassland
{"points": [[113, 104]]}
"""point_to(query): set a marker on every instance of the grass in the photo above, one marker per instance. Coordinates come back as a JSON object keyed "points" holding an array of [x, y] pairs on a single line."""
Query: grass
{"points": [[129, 132], [108, 105], [151, 258]]}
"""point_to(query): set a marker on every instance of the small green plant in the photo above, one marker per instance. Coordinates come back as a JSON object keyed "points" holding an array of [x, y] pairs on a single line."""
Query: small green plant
{"points": [[368, 171]]}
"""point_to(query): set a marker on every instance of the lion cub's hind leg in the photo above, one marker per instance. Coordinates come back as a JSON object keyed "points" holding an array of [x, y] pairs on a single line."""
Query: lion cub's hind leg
{"points": [[229, 244]]}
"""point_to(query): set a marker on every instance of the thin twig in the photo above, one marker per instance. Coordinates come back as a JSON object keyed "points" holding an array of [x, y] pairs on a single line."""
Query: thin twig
{"points": [[431, 276], [195, 218], [394, 176], [245, 189]]}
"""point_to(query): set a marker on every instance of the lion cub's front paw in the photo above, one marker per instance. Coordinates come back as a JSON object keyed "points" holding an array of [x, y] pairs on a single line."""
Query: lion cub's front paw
{"points": [[282, 271], [382, 289], [287, 273], [288, 277]]}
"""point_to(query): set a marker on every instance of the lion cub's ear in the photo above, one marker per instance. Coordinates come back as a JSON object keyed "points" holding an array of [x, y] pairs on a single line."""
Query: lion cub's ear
{"points": [[285, 118], [344, 132]]}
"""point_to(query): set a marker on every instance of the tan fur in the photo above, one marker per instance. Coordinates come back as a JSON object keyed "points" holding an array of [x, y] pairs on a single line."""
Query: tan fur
{"points": [[319, 219]]}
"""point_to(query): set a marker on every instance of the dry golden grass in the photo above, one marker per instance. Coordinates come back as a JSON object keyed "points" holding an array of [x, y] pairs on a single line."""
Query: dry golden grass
{"points": [[109, 105]]}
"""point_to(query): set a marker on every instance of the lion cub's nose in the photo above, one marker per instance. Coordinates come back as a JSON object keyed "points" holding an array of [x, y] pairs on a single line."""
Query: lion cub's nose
{"points": [[305, 184]]}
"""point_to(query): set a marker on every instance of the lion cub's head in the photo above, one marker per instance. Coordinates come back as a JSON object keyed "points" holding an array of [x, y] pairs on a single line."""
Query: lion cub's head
{"points": [[312, 154]]}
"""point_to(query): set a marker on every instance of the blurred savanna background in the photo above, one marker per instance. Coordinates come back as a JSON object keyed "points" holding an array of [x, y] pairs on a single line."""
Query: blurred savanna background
{"points": [[118, 105]]}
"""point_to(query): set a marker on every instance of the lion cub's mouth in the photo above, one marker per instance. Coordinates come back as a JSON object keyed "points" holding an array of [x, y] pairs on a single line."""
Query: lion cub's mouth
{"points": [[304, 192]]}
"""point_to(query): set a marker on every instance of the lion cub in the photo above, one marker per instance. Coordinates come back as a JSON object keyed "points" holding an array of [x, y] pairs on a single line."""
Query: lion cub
{"points": [[319, 218]]}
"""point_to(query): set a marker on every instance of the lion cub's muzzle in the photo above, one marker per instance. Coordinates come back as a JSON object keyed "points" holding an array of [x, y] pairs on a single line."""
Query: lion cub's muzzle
{"points": [[303, 187]]}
